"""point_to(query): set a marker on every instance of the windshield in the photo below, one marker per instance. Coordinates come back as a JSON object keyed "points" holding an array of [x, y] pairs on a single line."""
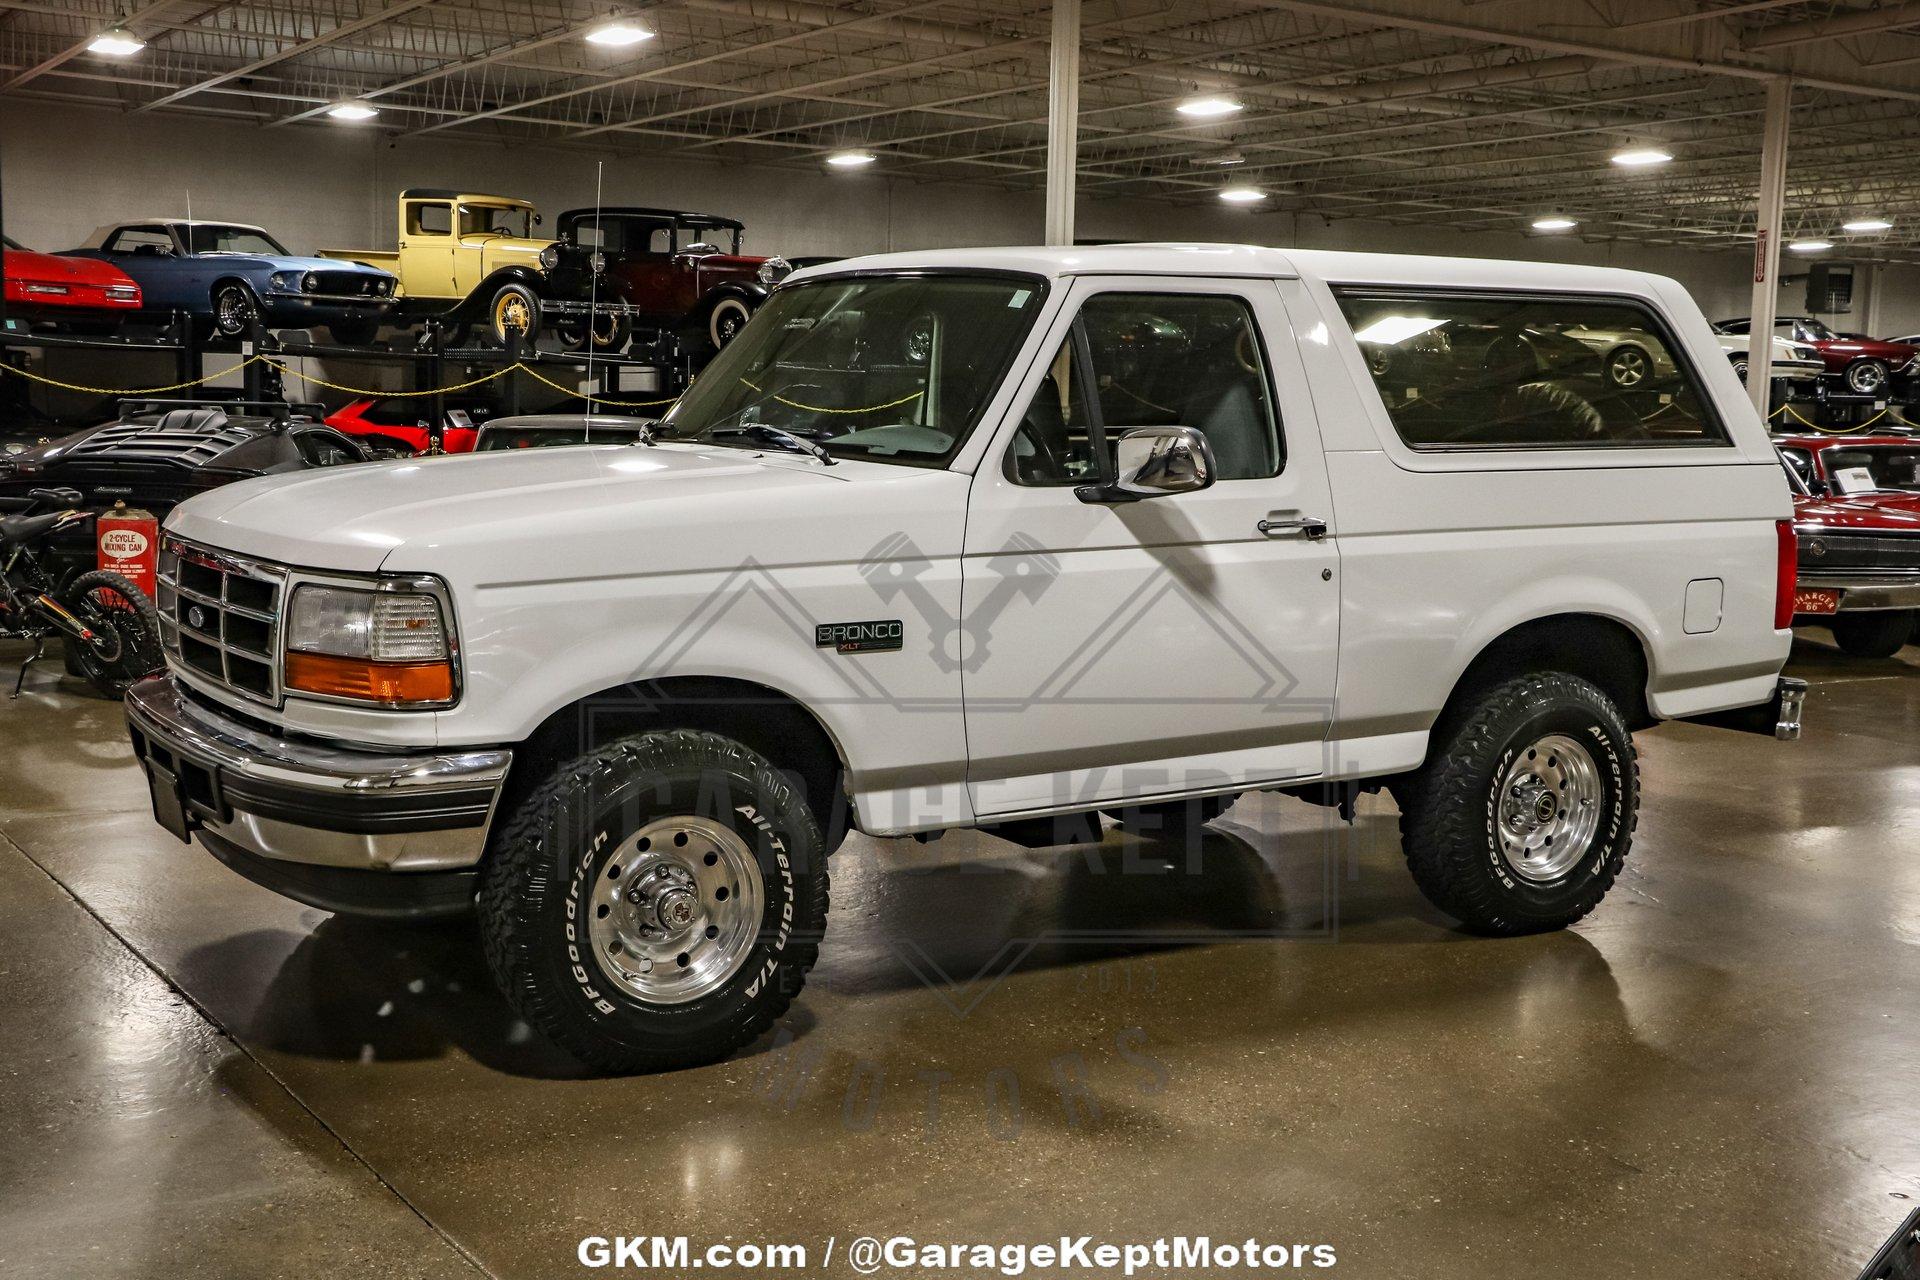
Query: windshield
{"points": [[1866, 468], [1815, 330], [11, 243], [212, 239], [484, 219], [891, 368]]}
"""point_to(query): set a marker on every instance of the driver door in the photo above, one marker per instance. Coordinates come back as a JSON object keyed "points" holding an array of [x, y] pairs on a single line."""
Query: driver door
{"points": [[1127, 650]]}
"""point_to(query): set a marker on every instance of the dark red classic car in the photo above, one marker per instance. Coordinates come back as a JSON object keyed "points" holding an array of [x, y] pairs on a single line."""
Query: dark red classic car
{"points": [[1856, 509], [1864, 366], [49, 287], [678, 271]]}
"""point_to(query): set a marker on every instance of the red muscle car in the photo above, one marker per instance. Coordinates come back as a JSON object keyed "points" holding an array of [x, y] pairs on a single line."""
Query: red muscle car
{"points": [[49, 287], [1856, 503], [1864, 366]]}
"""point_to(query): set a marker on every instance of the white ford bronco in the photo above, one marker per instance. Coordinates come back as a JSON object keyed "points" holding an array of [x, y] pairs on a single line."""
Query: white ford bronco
{"points": [[986, 538]]}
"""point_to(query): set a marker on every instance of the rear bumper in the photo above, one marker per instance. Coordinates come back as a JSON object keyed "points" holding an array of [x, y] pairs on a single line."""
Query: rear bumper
{"points": [[304, 802]]}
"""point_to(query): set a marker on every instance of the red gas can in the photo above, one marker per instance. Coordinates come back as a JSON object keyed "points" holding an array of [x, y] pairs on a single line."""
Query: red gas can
{"points": [[129, 542]]}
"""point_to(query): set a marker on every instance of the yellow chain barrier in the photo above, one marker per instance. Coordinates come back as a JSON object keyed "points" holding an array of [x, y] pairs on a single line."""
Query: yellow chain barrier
{"points": [[593, 399], [128, 391], [816, 408]]}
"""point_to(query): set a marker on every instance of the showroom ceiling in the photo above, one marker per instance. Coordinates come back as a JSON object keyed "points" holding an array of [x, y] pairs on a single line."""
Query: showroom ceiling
{"points": [[1473, 114]]}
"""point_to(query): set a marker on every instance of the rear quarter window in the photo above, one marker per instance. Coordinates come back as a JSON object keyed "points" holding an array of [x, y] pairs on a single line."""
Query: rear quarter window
{"points": [[1528, 371]]}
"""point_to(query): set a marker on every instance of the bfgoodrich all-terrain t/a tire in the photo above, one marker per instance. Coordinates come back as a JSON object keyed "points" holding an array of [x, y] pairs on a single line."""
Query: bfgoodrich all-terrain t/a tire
{"points": [[656, 902], [1522, 816]]}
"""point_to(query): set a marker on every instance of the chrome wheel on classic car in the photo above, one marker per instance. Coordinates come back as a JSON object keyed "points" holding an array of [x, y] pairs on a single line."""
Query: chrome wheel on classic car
{"points": [[515, 310], [1867, 377], [234, 310], [724, 322]]}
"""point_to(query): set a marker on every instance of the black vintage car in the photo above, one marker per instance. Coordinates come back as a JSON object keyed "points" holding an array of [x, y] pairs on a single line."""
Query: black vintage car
{"points": [[159, 453]]}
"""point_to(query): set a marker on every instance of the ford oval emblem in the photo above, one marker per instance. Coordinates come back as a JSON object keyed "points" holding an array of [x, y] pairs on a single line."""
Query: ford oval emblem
{"points": [[1816, 548], [197, 618]]}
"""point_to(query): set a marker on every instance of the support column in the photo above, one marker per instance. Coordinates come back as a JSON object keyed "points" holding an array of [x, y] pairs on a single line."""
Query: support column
{"points": [[1063, 120], [1766, 244]]}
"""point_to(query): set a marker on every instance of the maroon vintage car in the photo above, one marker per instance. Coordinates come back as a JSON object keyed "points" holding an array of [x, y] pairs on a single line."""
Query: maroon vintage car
{"points": [[679, 271], [80, 292], [1857, 513], [1864, 366]]}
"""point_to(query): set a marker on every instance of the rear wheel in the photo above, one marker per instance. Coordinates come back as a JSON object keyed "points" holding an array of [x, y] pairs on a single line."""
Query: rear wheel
{"points": [[657, 902], [126, 631], [1867, 377], [1522, 816], [609, 334], [1879, 634], [1629, 366]]}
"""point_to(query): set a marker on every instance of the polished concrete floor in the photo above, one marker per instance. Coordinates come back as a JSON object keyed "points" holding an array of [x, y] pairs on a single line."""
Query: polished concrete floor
{"points": [[1717, 1073]]}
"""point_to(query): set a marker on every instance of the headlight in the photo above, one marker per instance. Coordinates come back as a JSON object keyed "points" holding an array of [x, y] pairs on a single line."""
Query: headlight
{"points": [[283, 280], [599, 262], [388, 647], [550, 257], [309, 282], [774, 269]]}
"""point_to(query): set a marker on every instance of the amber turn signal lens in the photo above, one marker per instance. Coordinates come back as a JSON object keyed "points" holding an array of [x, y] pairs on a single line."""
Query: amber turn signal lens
{"points": [[387, 682]]}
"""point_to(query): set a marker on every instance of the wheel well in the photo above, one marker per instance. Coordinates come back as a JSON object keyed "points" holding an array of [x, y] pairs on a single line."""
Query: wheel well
{"points": [[1599, 650], [761, 718]]}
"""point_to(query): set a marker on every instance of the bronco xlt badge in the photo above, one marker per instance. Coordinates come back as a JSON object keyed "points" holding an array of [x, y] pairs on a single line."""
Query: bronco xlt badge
{"points": [[858, 637]]}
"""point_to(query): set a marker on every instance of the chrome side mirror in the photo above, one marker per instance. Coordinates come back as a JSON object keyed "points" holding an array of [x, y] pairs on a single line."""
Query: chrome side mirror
{"points": [[1151, 462]]}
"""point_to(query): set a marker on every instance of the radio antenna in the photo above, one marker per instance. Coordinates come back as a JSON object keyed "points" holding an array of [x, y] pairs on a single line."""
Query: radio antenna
{"points": [[593, 290]]}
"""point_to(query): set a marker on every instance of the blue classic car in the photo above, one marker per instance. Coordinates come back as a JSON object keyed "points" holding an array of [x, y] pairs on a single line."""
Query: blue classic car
{"points": [[223, 274]]}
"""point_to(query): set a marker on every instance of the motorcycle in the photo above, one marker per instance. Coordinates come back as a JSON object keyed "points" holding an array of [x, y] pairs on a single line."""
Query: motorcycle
{"points": [[109, 627]]}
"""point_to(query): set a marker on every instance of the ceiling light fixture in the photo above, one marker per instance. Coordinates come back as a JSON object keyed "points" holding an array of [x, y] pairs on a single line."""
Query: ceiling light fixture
{"points": [[1867, 224], [1209, 108], [1243, 195], [851, 159], [1221, 159], [1641, 157], [116, 42], [1554, 222], [618, 34], [1811, 246], [352, 110]]}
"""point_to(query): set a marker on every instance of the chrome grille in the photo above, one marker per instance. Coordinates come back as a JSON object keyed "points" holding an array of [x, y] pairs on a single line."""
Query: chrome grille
{"points": [[220, 617], [1856, 552]]}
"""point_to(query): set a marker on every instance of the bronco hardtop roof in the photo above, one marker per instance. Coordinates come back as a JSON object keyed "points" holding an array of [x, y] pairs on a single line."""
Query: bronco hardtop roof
{"points": [[1386, 270]]}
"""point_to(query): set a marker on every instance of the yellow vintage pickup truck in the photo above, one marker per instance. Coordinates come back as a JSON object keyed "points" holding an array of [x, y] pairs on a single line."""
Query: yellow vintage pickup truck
{"points": [[466, 259]]}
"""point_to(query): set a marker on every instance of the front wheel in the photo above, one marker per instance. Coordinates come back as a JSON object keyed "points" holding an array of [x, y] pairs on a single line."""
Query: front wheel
{"points": [[657, 902], [234, 310], [1879, 634], [515, 309], [1522, 816], [1867, 377], [126, 632], [725, 319]]}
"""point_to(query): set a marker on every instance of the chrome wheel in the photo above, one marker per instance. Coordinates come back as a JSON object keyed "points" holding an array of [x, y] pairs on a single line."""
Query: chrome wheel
{"points": [[1627, 367], [233, 311], [1867, 377], [511, 314], [1547, 808], [676, 909]]}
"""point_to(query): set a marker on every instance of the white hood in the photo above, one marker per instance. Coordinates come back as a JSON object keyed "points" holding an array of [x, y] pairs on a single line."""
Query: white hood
{"points": [[409, 514]]}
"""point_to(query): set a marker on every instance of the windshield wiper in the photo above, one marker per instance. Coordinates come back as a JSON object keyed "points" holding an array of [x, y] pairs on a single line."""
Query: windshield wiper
{"points": [[776, 436]]}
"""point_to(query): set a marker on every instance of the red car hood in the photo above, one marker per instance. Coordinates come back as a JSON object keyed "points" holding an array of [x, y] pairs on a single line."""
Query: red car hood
{"points": [[25, 264], [1884, 512]]}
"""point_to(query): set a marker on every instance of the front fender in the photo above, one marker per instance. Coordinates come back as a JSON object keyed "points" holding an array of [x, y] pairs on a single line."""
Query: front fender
{"points": [[474, 305]]}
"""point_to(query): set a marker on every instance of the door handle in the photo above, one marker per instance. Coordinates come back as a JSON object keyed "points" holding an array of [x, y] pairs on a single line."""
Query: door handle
{"points": [[1312, 528]]}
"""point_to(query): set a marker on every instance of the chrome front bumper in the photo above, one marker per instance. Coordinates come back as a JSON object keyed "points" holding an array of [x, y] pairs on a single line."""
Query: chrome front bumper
{"points": [[1857, 594], [300, 801]]}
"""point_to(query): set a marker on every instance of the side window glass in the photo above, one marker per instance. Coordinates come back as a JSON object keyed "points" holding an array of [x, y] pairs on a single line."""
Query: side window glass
{"points": [[1054, 444], [429, 219], [134, 239], [1800, 463], [1476, 371], [1158, 359]]}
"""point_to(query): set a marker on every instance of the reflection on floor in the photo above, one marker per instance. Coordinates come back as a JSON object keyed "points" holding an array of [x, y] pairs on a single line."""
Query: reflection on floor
{"points": [[1273, 1037]]}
